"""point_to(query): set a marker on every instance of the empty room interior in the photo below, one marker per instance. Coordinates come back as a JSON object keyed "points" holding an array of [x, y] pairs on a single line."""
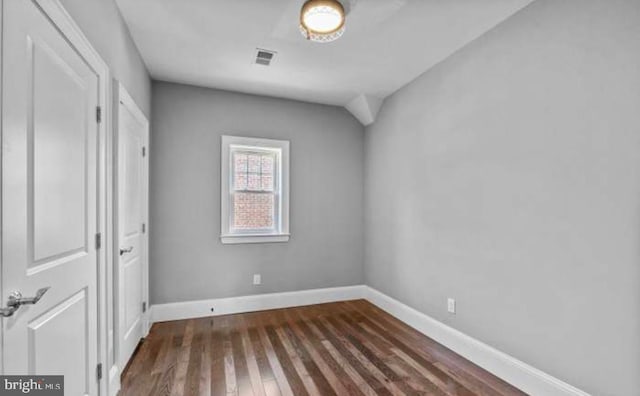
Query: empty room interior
{"points": [[320, 197]]}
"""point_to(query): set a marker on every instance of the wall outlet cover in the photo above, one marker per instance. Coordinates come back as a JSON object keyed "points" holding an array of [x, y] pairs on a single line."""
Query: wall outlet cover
{"points": [[451, 305]]}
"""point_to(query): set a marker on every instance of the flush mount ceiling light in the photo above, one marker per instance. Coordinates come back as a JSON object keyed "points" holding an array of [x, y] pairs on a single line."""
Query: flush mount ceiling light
{"points": [[322, 20]]}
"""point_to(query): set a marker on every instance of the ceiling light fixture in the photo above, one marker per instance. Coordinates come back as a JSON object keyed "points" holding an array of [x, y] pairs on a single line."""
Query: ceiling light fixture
{"points": [[322, 21]]}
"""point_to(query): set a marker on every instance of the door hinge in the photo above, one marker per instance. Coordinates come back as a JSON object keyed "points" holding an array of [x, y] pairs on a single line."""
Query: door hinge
{"points": [[144, 307], [98, 114], [144, 151], [98, 241], [144, 228], [99, 371]]}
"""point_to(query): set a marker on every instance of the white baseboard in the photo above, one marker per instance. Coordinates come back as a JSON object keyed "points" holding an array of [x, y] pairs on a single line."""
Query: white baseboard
{"points": [[508, 368], [257, 302]]}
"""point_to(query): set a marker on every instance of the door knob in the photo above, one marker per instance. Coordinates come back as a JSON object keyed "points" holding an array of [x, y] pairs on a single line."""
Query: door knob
{"points": [[16, 301], [126, 250]]}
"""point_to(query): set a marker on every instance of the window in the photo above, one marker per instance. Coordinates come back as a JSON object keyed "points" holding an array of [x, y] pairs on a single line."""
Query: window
{"points": [[255, 190]]}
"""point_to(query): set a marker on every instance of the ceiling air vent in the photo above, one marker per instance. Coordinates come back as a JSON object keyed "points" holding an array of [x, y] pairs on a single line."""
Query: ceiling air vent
{"points": [[264, 57]]}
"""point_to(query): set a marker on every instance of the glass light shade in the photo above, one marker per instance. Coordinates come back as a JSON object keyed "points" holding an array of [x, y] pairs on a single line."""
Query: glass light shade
{"points": [[322, 20]]}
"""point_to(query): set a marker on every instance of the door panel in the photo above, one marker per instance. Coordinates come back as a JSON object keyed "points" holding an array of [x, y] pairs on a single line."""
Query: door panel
{"points": [[133, 298], [53, 351], [132, 134], [49, 200], [59, 156], [132, 149]]}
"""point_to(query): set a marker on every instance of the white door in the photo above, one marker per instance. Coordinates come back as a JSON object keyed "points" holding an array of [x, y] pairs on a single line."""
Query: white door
{"points": [[49, 200], [132, 251]]}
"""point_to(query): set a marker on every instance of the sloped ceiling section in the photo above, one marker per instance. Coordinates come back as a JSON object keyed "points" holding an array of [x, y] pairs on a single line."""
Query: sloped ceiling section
{"points": [[387, 43], [365, 108]]}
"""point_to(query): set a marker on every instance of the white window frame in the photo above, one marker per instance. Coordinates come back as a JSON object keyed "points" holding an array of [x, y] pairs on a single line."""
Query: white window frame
{"points": [[281, 185]]}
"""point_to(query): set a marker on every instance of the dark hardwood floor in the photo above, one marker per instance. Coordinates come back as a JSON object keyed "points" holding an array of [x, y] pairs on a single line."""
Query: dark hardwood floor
{"points": [[346, 348]]}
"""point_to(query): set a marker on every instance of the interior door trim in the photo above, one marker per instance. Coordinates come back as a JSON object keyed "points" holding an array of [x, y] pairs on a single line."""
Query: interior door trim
{"points": [[60, 18]]}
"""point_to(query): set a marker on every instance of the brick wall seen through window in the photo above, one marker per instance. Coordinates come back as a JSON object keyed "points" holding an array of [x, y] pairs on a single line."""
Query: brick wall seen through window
{"points": [[254, 201]]}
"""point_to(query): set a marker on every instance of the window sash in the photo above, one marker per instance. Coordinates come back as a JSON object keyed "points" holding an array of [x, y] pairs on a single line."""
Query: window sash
{"points": [[276, 185], [266, 152], [268, 230]]}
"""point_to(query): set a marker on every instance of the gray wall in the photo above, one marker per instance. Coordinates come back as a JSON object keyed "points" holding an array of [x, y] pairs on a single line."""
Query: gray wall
{"points": [[187, 260], [508, 177], [101, 22]]}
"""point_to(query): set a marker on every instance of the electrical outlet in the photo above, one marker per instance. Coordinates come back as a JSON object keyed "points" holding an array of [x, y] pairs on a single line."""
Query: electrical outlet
{"points": [[451, 305], [257, 279]]}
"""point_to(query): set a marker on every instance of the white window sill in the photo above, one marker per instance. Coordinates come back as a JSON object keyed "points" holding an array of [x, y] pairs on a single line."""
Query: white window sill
{"points": [[270, 238]]}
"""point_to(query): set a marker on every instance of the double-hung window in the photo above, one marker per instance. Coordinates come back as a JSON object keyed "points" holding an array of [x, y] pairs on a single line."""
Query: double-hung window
{"points": [[255, 190]]}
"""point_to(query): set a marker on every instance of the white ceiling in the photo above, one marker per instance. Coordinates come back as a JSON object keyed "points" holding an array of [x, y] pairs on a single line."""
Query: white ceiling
{"points": [[387, 43]]}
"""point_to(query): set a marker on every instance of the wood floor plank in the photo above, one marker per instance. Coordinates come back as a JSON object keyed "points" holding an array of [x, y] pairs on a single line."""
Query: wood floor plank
{"points": [[343, 362], [192, 381], [183, 361], [375, 359], [217, 357], [345, 348], [166, 369], [444, 358], [381, 347], [205, 358], [323, 356], [313, 366], [300, 361], [266, 372], [163, 358], [228, 364], [276, 367], [371, 377], [243, 380], [293, 378], [315, 356], [364, 358], [252, 363], [428, 383], [450, 383], [229, 369], [362, 384]]}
